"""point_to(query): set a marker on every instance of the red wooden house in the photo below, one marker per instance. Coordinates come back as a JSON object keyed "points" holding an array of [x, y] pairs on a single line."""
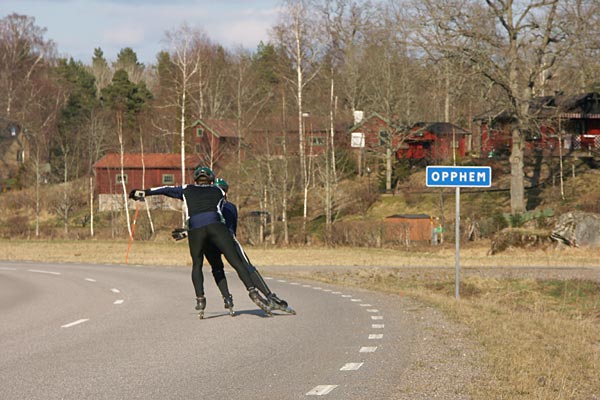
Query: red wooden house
{"points": [[317, 132], [376, 132], [217, 140], [155, 169], [438, 141], [577, 118]]}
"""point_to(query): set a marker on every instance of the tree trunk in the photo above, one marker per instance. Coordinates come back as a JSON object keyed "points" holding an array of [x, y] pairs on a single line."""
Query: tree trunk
{"points": [[122, 156], [517, 182]]}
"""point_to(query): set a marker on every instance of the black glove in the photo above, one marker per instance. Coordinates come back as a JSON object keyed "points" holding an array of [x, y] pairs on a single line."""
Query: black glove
{"points": [[179, 234], [137, 194]]}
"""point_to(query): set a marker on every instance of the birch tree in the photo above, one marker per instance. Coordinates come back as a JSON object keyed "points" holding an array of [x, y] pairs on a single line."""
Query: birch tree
{"points": [[297, 36]]}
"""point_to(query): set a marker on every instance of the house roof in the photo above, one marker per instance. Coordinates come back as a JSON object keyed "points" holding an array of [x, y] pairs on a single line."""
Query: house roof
{"points": [[151, 160], [219, 127], [371, 116], [439, 128], [585, 105], [409, 216]]}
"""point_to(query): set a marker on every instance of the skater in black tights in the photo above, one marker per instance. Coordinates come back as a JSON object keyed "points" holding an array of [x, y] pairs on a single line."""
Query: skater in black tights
{"points": [[205, 224], [213, 255]]}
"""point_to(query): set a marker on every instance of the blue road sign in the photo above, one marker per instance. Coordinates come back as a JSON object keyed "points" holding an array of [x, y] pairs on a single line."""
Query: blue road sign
{"points": [[450, 176]]}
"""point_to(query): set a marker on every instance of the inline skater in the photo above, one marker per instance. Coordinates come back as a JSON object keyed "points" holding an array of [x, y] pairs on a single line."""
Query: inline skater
{"points": [[230, 214], [204, 220]]}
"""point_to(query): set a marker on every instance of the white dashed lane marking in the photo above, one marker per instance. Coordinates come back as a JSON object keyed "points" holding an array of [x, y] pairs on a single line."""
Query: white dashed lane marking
{"points": [[368, 349], [321, 390], [351, 366], [79, 321], [90, 279], [38, 271], [120, 301], [114, 290]]}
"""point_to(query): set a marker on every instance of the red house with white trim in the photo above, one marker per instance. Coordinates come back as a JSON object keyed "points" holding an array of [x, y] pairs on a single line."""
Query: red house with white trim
{"points": [[149, 170]]}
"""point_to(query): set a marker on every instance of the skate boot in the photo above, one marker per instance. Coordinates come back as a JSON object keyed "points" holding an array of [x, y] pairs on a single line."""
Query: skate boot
{"points": [[260, 301], [200, 306], [278, 304], [228, 300]]}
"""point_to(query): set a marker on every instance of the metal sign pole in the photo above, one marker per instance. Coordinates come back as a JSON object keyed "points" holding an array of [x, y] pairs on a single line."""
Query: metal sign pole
{"points": [[457, 177], [457, 241]]}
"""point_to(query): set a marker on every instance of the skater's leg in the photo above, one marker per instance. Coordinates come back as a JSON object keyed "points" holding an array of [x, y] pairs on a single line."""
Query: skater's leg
{"points": [[258, 281], [213, 256], [222, 239], [195, 239]]}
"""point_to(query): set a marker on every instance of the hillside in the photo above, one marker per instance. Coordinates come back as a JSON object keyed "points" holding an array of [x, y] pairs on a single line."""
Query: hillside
{"points": [[360, 207]]}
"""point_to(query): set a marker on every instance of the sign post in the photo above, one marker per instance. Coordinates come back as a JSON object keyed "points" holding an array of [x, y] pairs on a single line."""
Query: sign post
{"points": [[457, 177]]}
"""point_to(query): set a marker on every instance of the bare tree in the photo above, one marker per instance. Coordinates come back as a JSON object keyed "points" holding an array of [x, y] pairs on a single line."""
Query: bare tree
{"points": [[512, 43], [296, 36]]}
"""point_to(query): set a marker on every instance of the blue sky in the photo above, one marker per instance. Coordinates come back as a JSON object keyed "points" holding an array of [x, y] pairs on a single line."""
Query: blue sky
{"points": [[79, 26]]}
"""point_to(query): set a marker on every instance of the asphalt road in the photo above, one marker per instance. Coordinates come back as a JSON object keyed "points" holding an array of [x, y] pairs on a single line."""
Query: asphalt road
{"points": [[74, 331]]}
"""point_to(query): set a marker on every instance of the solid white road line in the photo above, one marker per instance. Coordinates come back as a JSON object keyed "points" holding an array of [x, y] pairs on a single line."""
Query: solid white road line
{"points": [[368, 349], [79, 321], [351, 366], [377, 326], [120, 301], [374, 336], [114, 290], [90, 280], [321, 390], [43, 272], [376, 317]]}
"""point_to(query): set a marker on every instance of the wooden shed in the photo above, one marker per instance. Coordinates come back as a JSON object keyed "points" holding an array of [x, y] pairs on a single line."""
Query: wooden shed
{"points": [[409, 227]]}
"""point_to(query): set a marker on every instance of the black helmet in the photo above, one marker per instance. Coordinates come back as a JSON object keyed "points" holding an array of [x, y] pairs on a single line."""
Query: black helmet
{"points": [[203, 172]]}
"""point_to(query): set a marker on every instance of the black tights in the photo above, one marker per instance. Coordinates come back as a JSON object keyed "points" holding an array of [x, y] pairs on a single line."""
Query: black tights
{"points": [[221, 238]]}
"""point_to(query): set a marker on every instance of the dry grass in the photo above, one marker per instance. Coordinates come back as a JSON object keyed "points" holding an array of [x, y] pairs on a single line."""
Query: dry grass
{"points": [[539, 327], [176, 253]]}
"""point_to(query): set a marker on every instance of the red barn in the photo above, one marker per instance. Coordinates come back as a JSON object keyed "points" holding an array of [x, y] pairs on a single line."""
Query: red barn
{"points": [[151, 170]]}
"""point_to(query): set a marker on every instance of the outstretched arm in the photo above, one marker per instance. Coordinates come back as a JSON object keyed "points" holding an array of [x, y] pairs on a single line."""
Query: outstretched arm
{"points": [[169, 191]]}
